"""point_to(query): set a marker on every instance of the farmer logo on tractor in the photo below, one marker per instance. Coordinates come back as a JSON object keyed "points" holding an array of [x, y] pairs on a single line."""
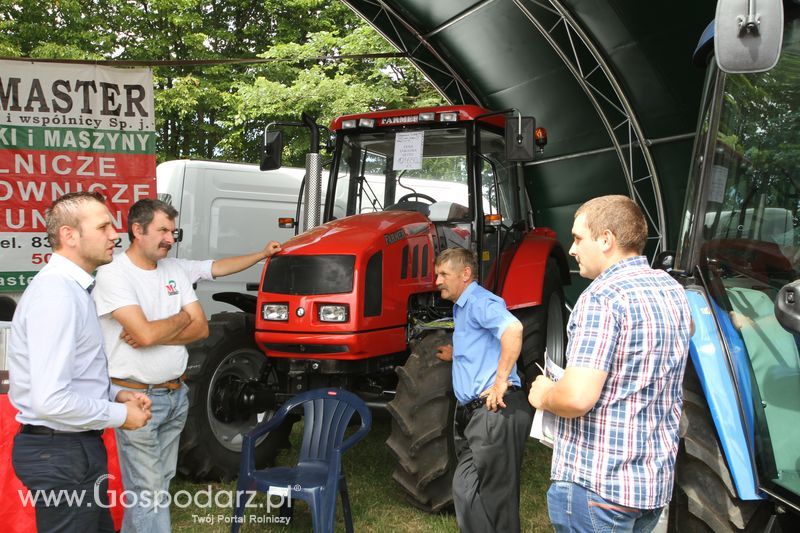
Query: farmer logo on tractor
{"points": [[395, 236], [406, 119]]}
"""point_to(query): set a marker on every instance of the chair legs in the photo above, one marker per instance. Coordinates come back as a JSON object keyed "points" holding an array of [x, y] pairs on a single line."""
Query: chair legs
{"points": [[318, 518], [318, 515], [238, 512], [348, 517]]}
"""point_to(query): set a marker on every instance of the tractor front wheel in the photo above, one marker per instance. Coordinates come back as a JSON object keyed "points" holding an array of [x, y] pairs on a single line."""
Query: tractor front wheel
{"points": [[226, 401], [704, 498], [423, 426]]}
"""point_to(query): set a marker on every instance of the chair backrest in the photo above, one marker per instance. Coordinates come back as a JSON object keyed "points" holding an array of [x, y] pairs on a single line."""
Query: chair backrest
{"points": [[327, 414]]}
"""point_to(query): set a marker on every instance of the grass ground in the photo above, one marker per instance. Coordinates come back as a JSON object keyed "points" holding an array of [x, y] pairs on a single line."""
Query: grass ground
{"points": [[377, 502]]}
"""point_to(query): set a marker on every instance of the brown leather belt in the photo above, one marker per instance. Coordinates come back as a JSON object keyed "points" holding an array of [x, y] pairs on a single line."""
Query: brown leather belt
{"points": [[171, 385]]}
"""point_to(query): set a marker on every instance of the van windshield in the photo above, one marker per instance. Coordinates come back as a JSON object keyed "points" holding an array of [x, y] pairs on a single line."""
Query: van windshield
{"points": [[424, 171]]}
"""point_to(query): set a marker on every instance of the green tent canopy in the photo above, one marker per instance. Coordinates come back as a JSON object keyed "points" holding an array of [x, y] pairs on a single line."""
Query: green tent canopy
{"points": [[612, 81]]}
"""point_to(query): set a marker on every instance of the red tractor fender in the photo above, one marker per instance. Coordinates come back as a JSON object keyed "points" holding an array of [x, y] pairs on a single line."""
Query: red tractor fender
{"points": [[523, 282]]}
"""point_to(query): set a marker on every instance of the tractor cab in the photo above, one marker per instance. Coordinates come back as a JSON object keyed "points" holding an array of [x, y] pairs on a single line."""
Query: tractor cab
{"points": [[456, 165], [450, 164]]}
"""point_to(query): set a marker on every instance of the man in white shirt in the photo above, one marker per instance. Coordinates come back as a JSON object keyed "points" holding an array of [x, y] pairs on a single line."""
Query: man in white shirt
{"points": [[148, 313], [58, 373]]}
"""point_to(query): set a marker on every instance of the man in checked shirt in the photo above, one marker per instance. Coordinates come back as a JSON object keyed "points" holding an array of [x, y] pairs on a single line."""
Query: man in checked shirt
{"points": [[619, 400]]}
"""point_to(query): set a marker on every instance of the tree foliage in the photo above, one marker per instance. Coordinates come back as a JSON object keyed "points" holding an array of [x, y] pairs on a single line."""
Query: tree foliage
{"points": [[219, 111]]}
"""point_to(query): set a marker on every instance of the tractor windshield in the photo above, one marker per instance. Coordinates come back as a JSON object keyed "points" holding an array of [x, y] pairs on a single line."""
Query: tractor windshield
{"points": [[744, 234], [424, 171]]}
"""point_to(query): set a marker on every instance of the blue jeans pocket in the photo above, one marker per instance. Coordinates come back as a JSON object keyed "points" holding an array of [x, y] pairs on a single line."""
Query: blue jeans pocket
{"points": [[559, 505], [573, 508], [610, 517]]}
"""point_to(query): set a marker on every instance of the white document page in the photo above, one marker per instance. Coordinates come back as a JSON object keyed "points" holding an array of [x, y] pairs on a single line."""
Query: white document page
{"points": [[408, 150], [544, 422]]}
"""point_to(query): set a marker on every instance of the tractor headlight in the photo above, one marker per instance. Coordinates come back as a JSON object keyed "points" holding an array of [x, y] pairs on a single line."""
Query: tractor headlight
{"points": [[275, 312], [333, 313]]}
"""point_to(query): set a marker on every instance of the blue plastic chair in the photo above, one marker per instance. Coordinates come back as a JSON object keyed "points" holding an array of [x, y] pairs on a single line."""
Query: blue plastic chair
{"points": [[318, 476]]}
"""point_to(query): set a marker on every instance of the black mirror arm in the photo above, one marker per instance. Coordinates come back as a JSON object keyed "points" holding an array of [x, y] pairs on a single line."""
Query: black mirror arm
{"points": [[274, 124]]}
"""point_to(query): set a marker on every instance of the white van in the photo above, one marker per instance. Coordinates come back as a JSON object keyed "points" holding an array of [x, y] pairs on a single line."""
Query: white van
{"points": [[227, 209]]}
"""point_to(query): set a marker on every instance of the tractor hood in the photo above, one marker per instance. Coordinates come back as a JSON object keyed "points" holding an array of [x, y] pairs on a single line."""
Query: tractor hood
{"points": [[358, 234], [368, 264]]}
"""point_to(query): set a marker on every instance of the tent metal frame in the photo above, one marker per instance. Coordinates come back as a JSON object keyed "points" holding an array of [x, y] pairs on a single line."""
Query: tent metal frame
{"points": [[579, 54]]}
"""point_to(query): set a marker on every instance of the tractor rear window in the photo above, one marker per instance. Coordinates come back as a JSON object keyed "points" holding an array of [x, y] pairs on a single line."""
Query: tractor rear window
{"points": [[309, 274]]}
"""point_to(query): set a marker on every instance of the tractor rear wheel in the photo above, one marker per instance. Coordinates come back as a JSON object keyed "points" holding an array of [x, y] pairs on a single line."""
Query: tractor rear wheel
{"points": [[704, 498], [543, 327], [231, 369], [423, 425]]}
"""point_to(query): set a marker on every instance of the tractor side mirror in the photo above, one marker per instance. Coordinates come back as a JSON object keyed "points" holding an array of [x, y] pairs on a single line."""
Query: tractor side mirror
{"points": [[519, 138], [271, 151], [748, 35], [787, 307]]}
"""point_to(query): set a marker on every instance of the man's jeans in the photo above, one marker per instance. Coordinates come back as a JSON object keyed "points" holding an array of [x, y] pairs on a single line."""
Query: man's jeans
{"points": [[148, 458], [573, 508]]}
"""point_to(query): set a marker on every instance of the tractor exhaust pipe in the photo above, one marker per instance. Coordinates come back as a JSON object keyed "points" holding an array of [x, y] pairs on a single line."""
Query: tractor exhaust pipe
{"points": [[313, 192]]}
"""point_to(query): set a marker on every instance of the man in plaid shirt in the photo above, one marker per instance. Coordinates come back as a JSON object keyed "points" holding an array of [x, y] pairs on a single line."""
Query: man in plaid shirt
{"points": [[619, 400]]}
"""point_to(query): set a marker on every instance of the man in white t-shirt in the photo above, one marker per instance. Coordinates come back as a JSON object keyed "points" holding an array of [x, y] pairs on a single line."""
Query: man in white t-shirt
{"points": [[148, 313]]}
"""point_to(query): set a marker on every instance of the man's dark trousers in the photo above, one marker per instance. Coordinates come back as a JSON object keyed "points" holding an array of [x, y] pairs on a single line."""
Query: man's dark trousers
{"points": [[486, 482], [62, 465]]}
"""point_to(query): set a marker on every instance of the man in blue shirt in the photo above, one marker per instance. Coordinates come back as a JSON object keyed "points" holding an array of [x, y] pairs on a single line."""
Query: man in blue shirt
{"points": [[486, 344]]}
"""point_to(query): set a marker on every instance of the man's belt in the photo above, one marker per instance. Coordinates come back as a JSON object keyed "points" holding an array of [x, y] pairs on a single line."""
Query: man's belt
{"points": [[30, 429], [172, 384], [480, 401]]}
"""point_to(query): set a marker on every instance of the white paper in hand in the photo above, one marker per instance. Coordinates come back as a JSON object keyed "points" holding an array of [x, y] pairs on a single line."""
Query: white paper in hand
{"points": [[543, 427], [544, 422]]}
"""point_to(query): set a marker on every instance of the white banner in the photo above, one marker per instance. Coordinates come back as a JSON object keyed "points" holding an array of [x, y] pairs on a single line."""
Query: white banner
{"points": [[67, 128]]}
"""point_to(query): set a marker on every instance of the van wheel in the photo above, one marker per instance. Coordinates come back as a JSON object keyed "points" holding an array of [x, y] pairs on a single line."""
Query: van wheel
{"points": [[543, 326], [704, 498], [226, 401], [423, 426]]}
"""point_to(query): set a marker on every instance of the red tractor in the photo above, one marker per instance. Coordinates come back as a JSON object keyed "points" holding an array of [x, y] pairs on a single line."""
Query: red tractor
{"points": [[352, 302]]}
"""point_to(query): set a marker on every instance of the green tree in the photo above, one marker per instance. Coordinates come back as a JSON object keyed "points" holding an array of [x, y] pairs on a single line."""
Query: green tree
{"points": [[324, 88], [65, 29]]}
